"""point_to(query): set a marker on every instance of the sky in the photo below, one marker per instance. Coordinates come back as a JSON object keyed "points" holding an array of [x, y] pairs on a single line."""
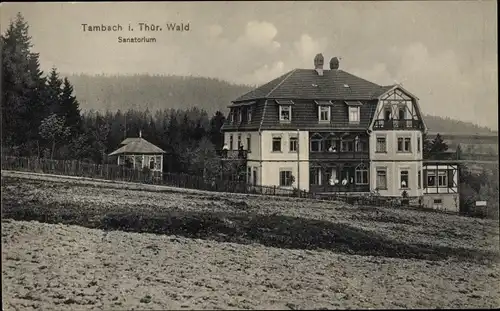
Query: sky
{"points": [[443, 52]]}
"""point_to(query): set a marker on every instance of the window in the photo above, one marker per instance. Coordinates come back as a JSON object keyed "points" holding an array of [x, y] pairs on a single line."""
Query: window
{"points": [[255, 176], [316, 143], [240, 116], [293, 144], [230, 141], [249, 114], [402, 113], [404, 179], [249, 174], [404, 144], [442, 182], [285, 178], [438, 203], [239, 141], [360, 145], [361, 175], [276, 144], [331, 175], [347, 175], [151, 163], [419, 179], [381, 144], [315, 175], [285, 113], [382, 178], [231, 115], [354, 114], [158, 163], [332, 144], [431, 179], [249, 143], [347, 145], [418, 143], [324, 113], [387, 113]]}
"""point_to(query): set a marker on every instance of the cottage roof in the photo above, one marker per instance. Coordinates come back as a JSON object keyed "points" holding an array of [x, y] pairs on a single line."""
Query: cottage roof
{"points": [[129, 140], [137, 146]]}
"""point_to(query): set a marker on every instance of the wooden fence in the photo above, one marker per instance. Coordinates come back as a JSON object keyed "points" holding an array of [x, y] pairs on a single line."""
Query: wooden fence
{"points": [[121, 173]]}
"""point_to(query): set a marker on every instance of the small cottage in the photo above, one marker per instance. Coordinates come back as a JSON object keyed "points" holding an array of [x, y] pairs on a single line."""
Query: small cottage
{"points": [[136, 152]]}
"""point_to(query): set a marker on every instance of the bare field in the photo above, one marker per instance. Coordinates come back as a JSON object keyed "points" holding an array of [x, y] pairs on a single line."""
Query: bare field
{"points": [[206, 251]]}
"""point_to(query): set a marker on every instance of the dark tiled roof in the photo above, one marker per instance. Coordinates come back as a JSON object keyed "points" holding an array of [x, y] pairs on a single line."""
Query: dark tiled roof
{"points": [[306, 89], [137, 146], [305, 116], [307, 84]]}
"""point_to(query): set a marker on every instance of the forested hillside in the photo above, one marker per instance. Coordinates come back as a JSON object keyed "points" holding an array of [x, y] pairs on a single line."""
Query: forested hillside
{"points": [[139, 92]]}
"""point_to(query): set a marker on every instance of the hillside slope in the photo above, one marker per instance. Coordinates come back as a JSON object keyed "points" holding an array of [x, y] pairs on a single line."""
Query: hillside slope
{"points": [[158, 92], [220, 252]]}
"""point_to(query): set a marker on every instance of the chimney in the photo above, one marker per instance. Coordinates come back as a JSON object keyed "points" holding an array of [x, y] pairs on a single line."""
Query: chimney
{"points": [[318, 63], [334, 63]]}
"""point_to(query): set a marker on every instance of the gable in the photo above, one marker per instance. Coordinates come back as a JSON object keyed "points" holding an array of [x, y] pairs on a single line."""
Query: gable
{"points": [[397, 104]]}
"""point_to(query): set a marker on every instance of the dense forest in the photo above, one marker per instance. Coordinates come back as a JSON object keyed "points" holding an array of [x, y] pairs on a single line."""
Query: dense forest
{"points": [[103, 92], [42, 116]]}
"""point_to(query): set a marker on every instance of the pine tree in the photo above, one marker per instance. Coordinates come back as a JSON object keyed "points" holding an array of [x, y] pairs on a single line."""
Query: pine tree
{"points": [[70, 109], [18, 83], [438, 147], [216, 123], [54, 93]]}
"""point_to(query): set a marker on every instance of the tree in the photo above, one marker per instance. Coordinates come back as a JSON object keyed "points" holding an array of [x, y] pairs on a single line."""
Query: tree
{"points": [[54, 130], [54, 93], [19, 72], [70, 108], [434, 149], [99, 133], [216, 123]]}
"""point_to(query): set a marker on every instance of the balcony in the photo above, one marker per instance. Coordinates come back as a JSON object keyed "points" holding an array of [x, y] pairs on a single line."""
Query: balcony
{"points": [[393, 124], [341, 155], [233, 154], [339, 188]]}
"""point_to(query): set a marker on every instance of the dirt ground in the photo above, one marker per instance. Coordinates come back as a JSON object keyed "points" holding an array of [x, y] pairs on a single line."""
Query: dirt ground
{"points": [[67, 267]]}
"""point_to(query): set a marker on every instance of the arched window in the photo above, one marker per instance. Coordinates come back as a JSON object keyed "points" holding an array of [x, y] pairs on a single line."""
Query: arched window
{"points": [[315, 174], [332, 143], [347, 175], [361, 173], [316, 143], [347, 144], [331, 175]]}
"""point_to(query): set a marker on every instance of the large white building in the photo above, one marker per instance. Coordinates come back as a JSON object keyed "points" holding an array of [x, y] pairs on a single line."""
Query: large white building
{"points": [[330, 131]]}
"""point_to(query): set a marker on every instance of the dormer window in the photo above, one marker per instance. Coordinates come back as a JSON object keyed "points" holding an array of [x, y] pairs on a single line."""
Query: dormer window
{"points": [[249, 114], [354, 111], [285, 110], [324, 113], [324, 110], [353, 114], [285, 113]]}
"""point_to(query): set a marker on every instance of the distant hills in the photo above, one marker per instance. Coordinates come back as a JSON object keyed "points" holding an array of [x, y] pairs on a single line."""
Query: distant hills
{"points": [[108, 92]]}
